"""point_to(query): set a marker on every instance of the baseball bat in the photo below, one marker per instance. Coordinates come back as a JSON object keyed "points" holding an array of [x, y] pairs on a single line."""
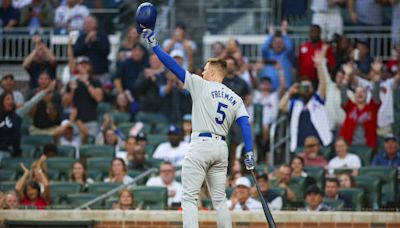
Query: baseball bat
{"points": [[267, 212]]}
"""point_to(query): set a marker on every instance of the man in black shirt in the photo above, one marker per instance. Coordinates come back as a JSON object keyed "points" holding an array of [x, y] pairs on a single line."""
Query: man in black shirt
{"points": [[84, 94], [47, 113], [234, 82]]}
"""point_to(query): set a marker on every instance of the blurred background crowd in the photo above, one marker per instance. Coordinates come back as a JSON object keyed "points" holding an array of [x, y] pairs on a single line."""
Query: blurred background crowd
{"points": [[324, 108]]}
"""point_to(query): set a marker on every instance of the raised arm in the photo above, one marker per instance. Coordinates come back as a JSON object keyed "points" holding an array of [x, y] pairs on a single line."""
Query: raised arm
{"points": [[19, 186], [167, 60]]}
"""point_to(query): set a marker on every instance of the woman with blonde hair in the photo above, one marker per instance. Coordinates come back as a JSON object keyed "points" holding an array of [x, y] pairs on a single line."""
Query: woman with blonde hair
{"points": [[118, 172], [126, 200], [79, 175]]}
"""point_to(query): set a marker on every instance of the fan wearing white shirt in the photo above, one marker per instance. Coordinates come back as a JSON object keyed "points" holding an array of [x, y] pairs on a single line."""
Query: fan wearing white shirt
{"points": [[241, 200], [343, 158], [118, 172], [174, 150], [167, 179], [71, 16]]}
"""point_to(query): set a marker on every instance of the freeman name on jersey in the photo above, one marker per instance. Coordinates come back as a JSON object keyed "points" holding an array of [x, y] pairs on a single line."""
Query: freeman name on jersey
{"points": [[223, 94]]}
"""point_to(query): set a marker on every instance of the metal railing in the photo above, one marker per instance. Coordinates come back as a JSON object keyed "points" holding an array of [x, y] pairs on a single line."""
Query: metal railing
{"points": [[117, 189], [279, 137], [251, 45], [17, 44]]}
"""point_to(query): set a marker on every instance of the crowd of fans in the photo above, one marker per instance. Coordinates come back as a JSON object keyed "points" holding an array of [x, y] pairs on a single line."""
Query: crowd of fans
{"points": [[336, 95]]}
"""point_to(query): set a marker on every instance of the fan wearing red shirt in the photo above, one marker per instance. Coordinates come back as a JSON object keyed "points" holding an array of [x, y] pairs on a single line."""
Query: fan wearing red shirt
{"points": [[307, 51], [393, 65], [359, 127], [32, 196]]}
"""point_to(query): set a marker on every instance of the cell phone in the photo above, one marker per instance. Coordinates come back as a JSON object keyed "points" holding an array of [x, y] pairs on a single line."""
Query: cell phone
{"points": [[305, 88], [270, 62], [356, 55]]}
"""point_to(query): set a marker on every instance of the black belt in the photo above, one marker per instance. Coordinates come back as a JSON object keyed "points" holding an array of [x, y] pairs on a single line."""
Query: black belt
{"points": [[209, 135]]}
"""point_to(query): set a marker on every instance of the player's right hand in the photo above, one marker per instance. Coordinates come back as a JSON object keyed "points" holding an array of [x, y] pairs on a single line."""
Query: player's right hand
{"points": [[249, 160], [150, 37]]}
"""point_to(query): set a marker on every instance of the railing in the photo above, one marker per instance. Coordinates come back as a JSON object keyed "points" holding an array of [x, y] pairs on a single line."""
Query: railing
{"points": [[279, 136], [117, 189], [17, 44], [379, 41]]}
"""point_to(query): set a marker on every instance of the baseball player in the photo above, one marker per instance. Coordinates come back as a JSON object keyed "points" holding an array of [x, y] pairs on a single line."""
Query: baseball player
{"points": [[214, 109]]}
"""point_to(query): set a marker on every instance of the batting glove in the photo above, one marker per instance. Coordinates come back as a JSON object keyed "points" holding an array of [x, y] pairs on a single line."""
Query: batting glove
{"points": [[150, 37], [249, 160]]}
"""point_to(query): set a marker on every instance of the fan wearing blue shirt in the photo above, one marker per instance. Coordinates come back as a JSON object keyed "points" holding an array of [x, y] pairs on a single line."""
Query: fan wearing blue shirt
{"points": [[391, 155]]}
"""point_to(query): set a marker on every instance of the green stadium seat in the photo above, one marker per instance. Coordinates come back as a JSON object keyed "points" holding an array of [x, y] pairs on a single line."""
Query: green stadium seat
{"points": [[78, 199], [110, 202], [156, 139], [7, 175], [228, 192], [125, 128], [364, 152], [135, 173], [87, 151], [299, 150], [60, 190], [36, 140], [372, 188], [149, 149], [61, 165], [103, 107], [207, 203], [327, 152], [264, 168], [161, 128], [154, 162], [297, 184], [96, 175], [59, 207], [318, 173], [336, 204], [178, 178], [6, 186], [153, 198], [121, 117], [356, 195], [99, 165], [388, 177], [28, 151], [14, 163], [66, 151], [99, 188], [149, 118]]}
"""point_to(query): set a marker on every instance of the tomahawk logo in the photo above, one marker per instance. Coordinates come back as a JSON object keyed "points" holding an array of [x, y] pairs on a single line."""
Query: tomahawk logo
{"points": [[6, 122]]}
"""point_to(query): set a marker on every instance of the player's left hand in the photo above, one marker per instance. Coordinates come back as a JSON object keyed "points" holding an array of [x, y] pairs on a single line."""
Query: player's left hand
{"points": [[249, 160], [150, 37]]}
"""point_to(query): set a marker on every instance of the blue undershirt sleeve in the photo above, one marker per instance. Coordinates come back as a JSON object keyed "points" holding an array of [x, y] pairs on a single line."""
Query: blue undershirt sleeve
{"points": [[170, 63], [244, 124]]}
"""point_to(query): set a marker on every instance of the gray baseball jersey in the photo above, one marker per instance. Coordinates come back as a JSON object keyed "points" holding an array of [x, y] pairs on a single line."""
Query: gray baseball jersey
{"points": [[215, 106]]}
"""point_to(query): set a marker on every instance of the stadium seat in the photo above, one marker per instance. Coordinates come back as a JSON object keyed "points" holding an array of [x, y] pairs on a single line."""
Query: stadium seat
{"points": [[14, 164], [135, 173], [264, 168], [336, 204], [125, 128], [318, 173], [228, 192], [60, 190], [28, 151], [297, 184], [154, 162], [155, 139], [36, 140], [103, 107], [7, 175], [149, 149], [59, 207], [153, 198], [207, 202], [148, 118], [76, 200], [101, 166], [356, 195], [60, 165], [121, 117], [108, 204], [160, 128], [6, 186], [87, 151], [364, 152], [99, 188], [388, 177], [66, 151], [372, 188], [96, 175]]}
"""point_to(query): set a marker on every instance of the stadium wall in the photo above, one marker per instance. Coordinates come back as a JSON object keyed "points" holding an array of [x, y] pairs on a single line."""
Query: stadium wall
{"points": [[172, 219]]}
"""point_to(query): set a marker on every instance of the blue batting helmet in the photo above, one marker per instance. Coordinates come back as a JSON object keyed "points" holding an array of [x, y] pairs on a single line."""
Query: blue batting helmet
{"points": [[146, 15]]}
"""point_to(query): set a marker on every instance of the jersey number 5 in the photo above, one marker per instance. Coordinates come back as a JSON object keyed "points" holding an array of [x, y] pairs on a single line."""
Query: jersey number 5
{"points": [[220, 110]]}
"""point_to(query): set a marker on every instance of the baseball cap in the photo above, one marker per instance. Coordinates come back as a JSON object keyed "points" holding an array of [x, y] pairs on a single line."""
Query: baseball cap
{"points": [[174, 130], [177, 53], [314, 189], [390, 137], [83, 59], [187, 117], [8, 75], [66, 123], [141, 136], [263, 176], [243, 181]]}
